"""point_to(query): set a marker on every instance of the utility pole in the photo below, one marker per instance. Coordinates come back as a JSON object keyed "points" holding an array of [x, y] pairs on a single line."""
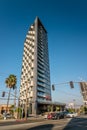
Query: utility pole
{"points": [[18, 108]]}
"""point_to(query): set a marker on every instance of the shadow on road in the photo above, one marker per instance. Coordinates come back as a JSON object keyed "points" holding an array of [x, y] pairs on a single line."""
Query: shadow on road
{"points": [[42, 127], [78, 123]]}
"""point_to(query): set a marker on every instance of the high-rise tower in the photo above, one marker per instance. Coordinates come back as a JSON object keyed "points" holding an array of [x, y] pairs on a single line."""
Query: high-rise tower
{"points": [[35, 76]]}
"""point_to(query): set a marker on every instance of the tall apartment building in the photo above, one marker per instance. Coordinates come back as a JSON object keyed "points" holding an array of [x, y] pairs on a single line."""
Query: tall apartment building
{"points": [[35, 85]]}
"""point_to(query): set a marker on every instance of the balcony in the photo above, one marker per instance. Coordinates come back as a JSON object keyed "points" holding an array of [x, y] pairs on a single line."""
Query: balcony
{"points": [[32, 26], [41, 75], [41, 84], [31, 94], [32, 83], [32, 73], [41, 94], [27, 39], [41, 89], [32, 50], [41, 100], [41, 79], [32, 57]]}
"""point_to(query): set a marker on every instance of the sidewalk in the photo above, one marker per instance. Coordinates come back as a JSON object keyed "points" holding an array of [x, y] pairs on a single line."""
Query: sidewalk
{"points": [[22, 120], [7, 120]]}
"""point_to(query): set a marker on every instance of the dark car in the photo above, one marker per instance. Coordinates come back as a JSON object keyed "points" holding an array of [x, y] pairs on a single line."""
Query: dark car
{"points": [[58, 115], [65, 113]]}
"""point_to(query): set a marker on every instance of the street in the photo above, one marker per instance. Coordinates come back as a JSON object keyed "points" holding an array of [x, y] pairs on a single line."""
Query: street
{"points": [[79, 123]]}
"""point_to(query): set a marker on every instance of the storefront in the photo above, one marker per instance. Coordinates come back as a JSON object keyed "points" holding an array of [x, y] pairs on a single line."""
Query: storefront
{"points": [[3, 108], [49, 106]]}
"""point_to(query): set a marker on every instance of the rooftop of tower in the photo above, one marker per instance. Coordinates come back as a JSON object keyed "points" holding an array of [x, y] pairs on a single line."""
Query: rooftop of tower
{"points": [[39, 22]]}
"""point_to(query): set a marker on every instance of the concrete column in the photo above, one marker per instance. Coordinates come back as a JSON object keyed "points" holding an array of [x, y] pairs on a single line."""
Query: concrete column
{"points": [[52, 108], [34, 108]]}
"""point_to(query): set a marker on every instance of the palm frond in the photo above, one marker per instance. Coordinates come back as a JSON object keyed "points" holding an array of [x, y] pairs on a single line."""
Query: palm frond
{"points": [[11, 81]]}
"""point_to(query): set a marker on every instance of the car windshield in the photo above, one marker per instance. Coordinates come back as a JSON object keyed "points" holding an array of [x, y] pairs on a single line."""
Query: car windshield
{"points": [[58, 113]]}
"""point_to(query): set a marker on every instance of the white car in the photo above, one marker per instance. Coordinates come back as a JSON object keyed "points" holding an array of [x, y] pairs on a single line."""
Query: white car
{"points": [[45, 116], [7, 115], [72, 114]]}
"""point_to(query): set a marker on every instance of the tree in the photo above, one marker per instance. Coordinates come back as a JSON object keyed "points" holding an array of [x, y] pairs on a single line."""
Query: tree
{"points": [[12, 110], [19, 112], [10, 83], [85, 109], [70, 110]]}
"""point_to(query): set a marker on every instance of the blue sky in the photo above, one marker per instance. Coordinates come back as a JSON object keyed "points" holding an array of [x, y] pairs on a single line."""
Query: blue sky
{"points": [[66, 24]]}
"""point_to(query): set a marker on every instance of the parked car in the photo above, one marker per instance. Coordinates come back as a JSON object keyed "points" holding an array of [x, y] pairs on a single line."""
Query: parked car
{"points": [[65, 113], [45, 116], [7, 115], [50, 115], [72, 114], [58, 115]]}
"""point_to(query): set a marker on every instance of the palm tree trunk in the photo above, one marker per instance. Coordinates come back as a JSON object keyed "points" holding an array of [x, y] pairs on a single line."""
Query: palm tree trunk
{"points": [[8, 99], [15, 93]]}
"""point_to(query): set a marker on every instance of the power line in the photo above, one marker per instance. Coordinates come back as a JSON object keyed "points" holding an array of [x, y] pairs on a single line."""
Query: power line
{"points": [[6, 99]]}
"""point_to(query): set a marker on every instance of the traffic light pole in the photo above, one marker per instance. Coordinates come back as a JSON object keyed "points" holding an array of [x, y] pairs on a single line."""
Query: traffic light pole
{"points": [[71, 83], [83, 88], [16, 98]]}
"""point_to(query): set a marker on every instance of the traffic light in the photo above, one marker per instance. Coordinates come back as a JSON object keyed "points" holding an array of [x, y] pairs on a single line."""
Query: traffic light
{"points": [[53, 87], [71, 84], [3, 94]]}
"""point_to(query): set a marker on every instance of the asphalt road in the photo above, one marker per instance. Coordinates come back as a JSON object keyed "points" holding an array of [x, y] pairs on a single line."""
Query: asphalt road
{"points": [[79, 123]]}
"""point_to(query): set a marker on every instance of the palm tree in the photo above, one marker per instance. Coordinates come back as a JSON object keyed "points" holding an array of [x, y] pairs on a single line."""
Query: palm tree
{"points": [[10, 83]]}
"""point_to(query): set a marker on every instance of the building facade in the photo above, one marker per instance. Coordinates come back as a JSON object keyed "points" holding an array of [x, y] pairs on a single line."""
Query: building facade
{"points": [[83, 88], [3, 108], [35, 74]]}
